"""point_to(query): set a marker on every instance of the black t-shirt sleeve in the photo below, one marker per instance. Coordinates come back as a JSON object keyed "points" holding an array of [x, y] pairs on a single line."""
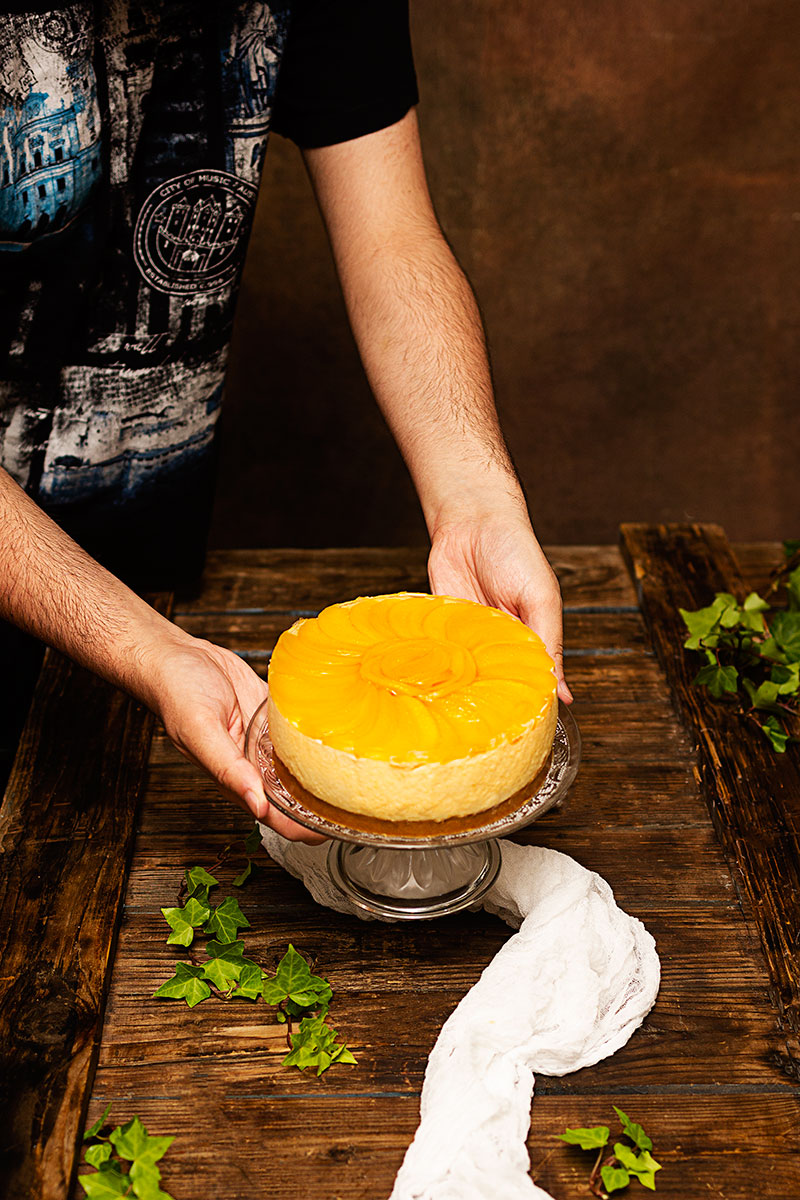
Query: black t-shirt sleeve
{"points": [[347, 70]]}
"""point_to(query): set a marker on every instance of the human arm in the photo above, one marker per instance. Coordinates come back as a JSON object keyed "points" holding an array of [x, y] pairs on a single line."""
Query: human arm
{"points": [[203, 694], [421, 340]]}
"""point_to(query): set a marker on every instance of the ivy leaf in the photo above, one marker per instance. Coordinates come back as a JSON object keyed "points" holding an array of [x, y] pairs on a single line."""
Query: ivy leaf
{"points": [[634, 1131], [643, 1165], [318, 999], [129, 1140], [97, 1154], [98, 1125], [272, 992], [717, 679], [182, 921], [787, 677], [155, 1149], [785, 628], [249, 983], [104, 1185], [793, 589], [588, 1139], [294, 983], [293, 971], [775, 734], [791, 546], [754, 603], [763, 696], [146, 1180], [770, 649], [315, 1045], [226, 920], [225, 964], [199, 883], [614, 1178], [703, 621], [245, 874], [252, 843], [186, 984]]}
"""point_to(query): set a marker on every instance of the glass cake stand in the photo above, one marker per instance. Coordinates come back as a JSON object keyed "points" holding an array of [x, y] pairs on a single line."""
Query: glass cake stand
{"points": [[413, 870]]}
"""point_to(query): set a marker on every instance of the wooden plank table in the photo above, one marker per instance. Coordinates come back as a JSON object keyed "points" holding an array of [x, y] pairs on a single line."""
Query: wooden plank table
{"points": [[712, 1073]]}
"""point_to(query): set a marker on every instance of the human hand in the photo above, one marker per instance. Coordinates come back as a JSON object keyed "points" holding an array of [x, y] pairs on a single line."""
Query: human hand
{"points": [[494, 558], [205, 696]]}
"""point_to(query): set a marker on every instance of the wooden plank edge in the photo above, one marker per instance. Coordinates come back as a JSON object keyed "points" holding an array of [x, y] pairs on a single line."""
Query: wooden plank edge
{"points": [[58, 830], [753, 795]]}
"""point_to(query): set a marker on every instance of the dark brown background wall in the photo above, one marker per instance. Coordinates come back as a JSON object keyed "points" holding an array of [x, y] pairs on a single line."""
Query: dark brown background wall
{"points": [[621, 181]]}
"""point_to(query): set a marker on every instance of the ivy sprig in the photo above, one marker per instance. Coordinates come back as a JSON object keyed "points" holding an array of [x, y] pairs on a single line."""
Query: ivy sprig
{"points": [[315, 1045], [752, 652], [296, 992], [124, 1161], [612, 1172]]}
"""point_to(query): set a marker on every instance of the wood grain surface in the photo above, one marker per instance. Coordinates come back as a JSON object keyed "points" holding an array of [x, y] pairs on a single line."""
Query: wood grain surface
{"points": [[711, 1072], [66, 833]]}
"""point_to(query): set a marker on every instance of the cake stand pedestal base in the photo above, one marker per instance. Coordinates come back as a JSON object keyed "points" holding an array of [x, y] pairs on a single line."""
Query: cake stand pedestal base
{"points": [[413, 885]]}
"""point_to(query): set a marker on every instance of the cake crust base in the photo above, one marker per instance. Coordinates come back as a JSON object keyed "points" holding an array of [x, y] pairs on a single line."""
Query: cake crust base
{"points": [[422, 830], [429, 792]]}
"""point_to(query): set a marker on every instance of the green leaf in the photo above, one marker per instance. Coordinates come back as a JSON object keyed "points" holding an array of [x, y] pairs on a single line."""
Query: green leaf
{"points": [[155, 1149], [146, 1180], [717, 679], [248, 986], [225, 963], [294, 983], [186, 984], [591, 1138], [634, 1131], [785, 628], [231, 951], [182, 921], [97, 1154], [703, 621], [791, 546], [293, 971], [199, 882], [226, 920], [763, 696], [787, 677], [770, 649], [775, 734], [252, 843], [272, 991], [315, 1045], [793, 589], [614, 1178], [129, 1140], [104, 1185], [754, 603], [245, 874], [343, 1055], [643, 1165], [93, 1130]]}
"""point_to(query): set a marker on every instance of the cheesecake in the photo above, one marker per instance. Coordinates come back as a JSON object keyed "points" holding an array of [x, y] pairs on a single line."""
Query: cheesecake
{"points": [[411, 706]]}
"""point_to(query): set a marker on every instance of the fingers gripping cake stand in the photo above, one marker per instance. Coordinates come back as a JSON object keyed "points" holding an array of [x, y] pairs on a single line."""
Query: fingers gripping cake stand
{"points": [[412, 870]]}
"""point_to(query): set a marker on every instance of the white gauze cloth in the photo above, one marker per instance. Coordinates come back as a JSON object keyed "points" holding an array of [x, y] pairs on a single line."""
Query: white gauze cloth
{"points": [[565, 991]]}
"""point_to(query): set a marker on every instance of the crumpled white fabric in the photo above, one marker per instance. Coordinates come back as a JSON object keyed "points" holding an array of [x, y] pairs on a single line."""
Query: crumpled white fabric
{"points": [[564, 992]]}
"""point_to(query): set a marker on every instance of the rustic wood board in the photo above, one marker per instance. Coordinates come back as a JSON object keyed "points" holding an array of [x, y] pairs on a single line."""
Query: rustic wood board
{"points": [[710, 1070], [66, 832], [753, 794]]}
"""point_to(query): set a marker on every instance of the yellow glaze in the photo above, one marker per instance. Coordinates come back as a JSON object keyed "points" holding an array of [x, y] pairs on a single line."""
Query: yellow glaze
{"points": [[410, 679]]}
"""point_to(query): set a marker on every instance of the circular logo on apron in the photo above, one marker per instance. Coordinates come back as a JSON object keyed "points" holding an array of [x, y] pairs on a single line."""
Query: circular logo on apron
{"points": [[191, 233]]}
